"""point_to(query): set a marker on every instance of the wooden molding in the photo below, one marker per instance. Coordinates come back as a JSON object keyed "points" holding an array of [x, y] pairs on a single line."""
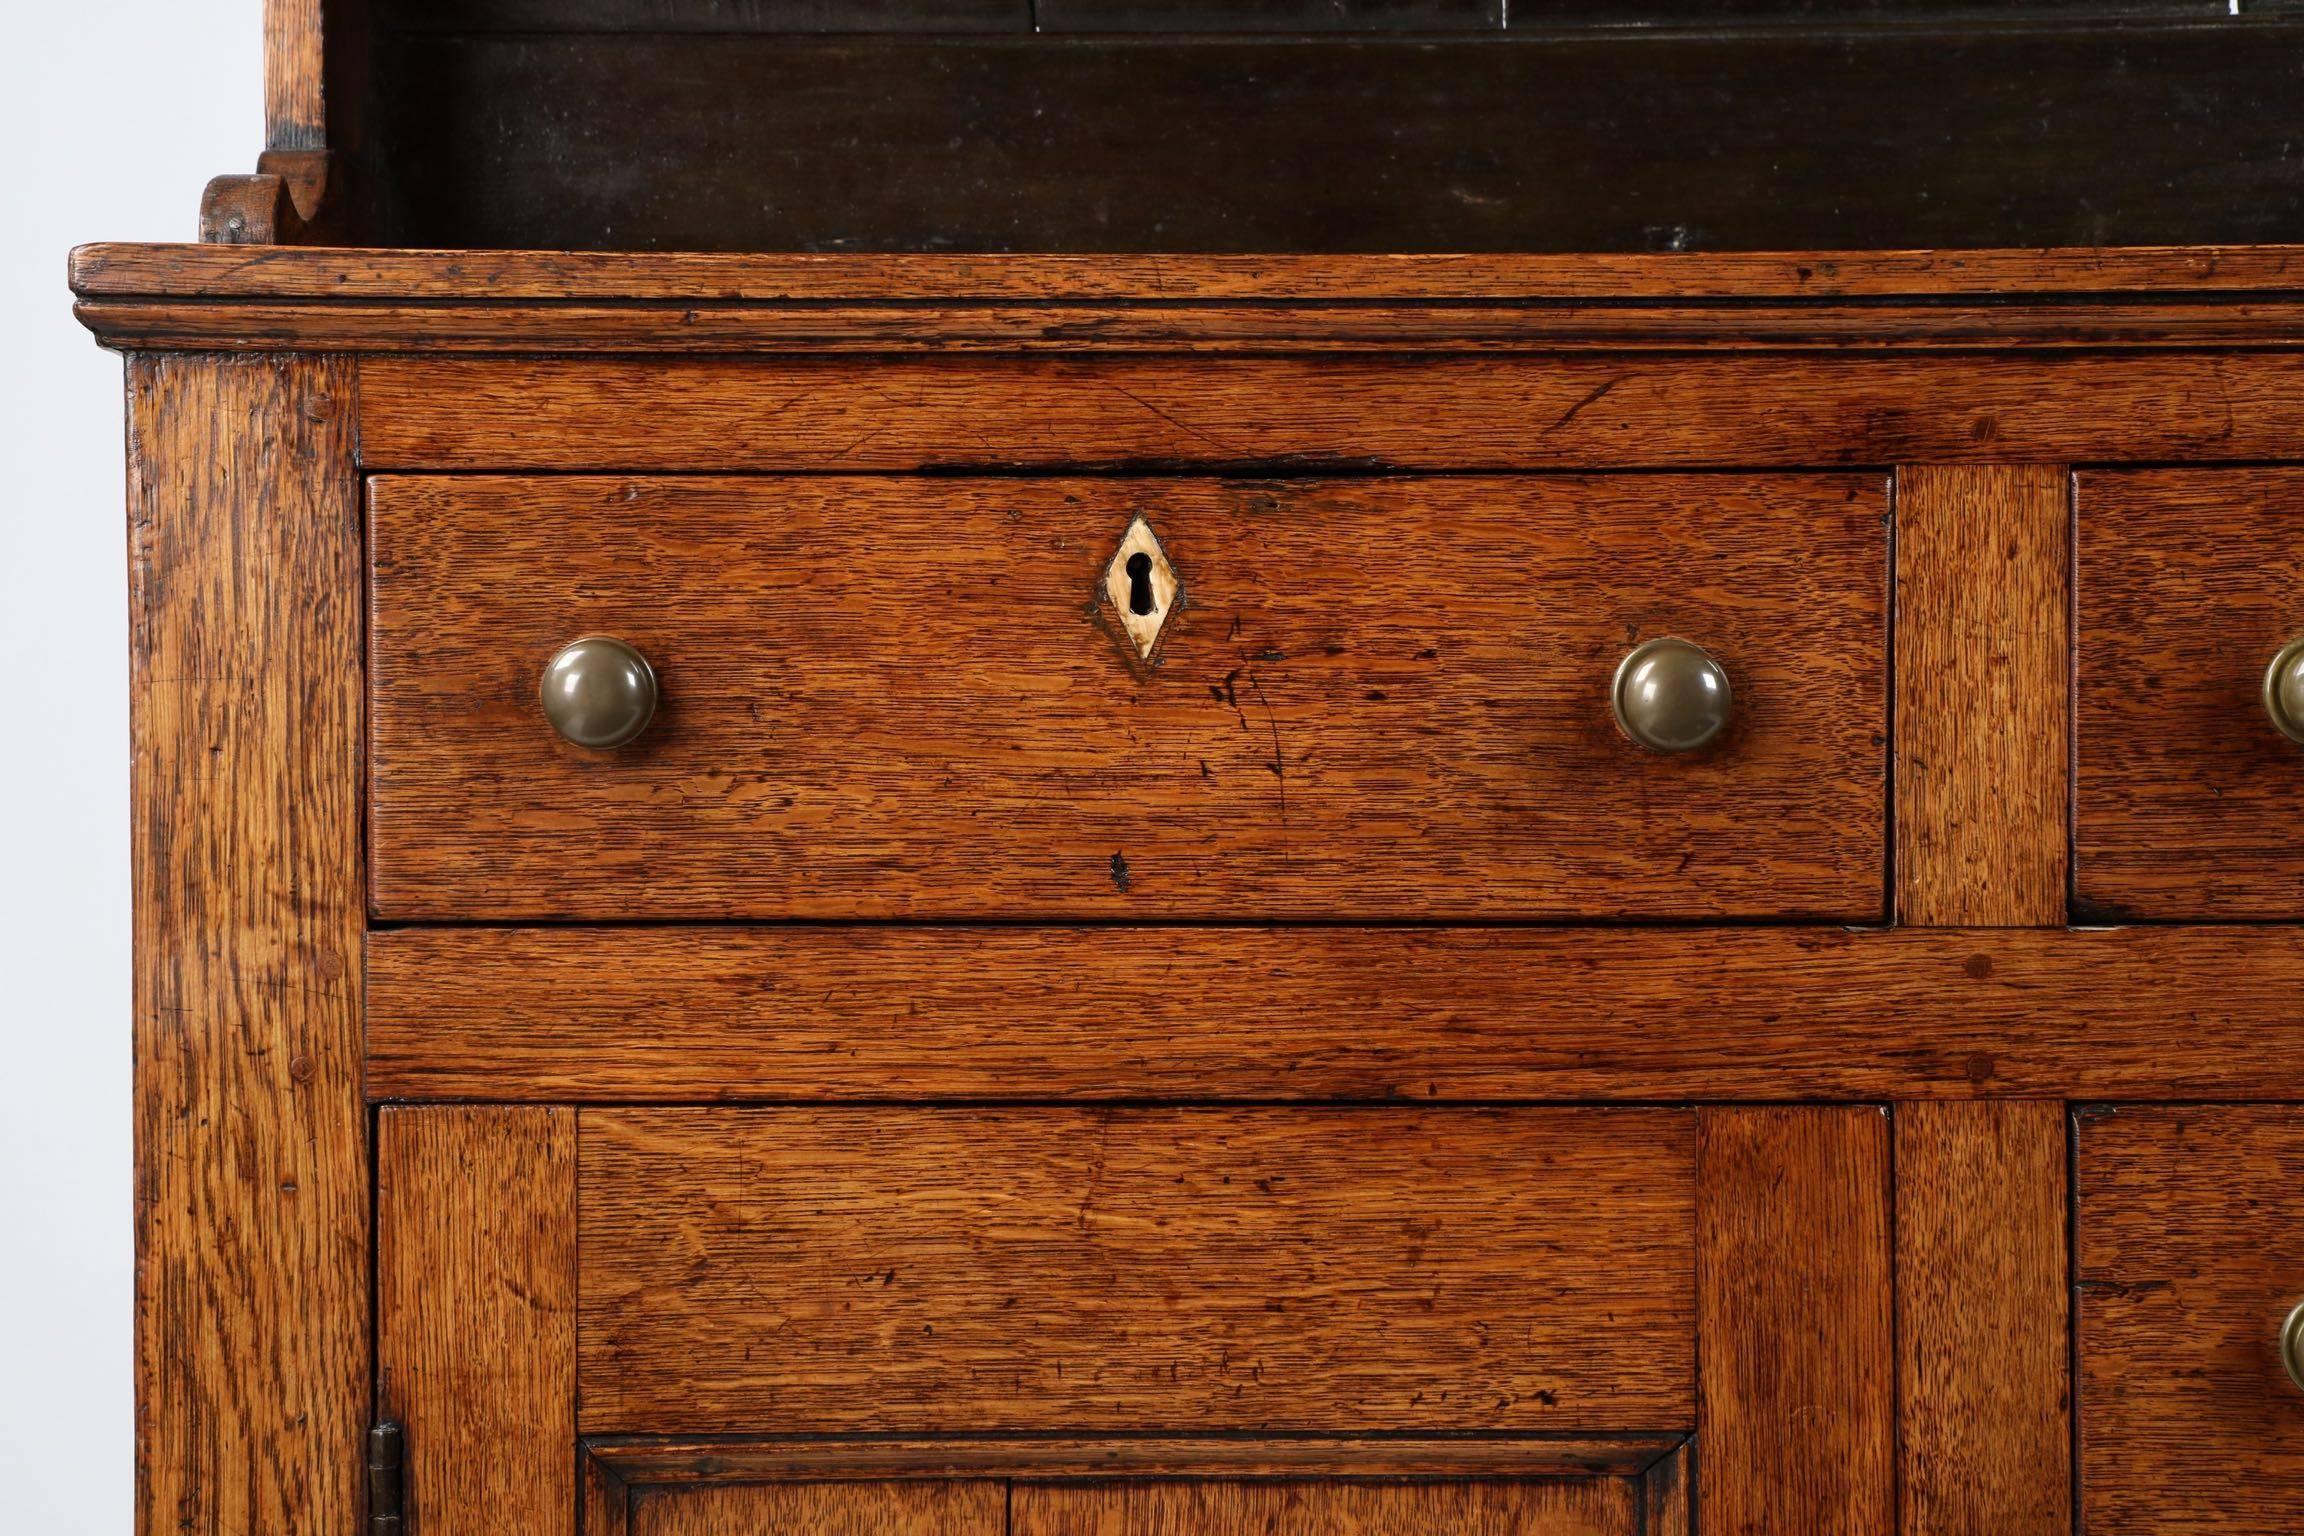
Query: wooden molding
{"points": [[369, 275], [614, 1471], [356, 300]]}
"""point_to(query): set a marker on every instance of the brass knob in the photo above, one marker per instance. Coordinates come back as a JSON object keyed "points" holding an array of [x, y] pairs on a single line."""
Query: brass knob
{"points": [[2284, 690], [599, 691], [1671, 696], [2292, 1344]]}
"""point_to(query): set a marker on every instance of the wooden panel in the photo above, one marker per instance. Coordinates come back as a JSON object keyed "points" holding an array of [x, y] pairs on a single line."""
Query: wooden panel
{"points": [[251, 1159], [828, 1509], [1798, 1410], [1215, 1270], [1983, 740], [1597, 1508], [2190, 1254], [905, 698], [1824, 139], [476, 1314], [809, 1013], [2253, 274], [1428, 413], [2189, 581], [1983, 1346]]}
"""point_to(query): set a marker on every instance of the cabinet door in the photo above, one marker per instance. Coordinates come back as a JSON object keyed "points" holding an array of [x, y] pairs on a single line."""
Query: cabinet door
{"points": [[2191, 1256], [1111, 1320]]}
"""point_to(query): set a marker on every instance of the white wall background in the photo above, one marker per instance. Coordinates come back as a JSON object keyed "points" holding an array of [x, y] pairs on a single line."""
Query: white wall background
{"points": [[113, 114]]}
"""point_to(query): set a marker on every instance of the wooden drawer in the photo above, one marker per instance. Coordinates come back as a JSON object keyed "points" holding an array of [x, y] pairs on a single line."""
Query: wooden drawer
{"points": [[2191, 1253], [2189, 582], [912, 697]]}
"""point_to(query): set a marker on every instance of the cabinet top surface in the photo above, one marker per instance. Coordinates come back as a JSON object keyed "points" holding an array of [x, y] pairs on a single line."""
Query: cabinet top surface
{"points": [[338, 273]]}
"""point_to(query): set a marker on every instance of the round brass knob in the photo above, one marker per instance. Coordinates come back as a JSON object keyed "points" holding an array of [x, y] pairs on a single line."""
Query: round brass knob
{"points": [[2284, 690], [1671, 696], [2292, 1344], [599, 691]]}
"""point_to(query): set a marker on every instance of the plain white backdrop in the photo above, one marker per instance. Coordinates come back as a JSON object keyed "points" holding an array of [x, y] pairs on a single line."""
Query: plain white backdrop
{"points": [[113, 114]]}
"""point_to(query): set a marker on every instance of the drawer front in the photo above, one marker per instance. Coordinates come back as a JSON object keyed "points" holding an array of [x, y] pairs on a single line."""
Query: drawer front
{"points": [[1206, 1270], [2191, 1253], [919, 697], [2189, 583]]}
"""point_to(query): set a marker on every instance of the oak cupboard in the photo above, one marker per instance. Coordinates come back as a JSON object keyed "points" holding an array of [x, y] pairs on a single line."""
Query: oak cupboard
{"points": [[1224, 888]]}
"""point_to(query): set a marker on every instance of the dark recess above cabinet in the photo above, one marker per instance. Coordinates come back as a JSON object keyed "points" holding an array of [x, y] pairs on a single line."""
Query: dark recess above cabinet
{"points": [[1341, 125]]}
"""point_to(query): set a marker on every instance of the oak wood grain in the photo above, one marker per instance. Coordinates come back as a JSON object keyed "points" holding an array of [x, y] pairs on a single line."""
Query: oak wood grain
{"points": [[2189, 1256], [656, 1461], [671, 1013], [910, 698], [1797, 1411], [312, 325], [1213, 1270], [476, 1313], [1595, 1508], [295, 106], [1564, 412], [827, 1509], [122, 270], [251, 1212], [2189, 581], [1983, 719], [1983, 1344]]}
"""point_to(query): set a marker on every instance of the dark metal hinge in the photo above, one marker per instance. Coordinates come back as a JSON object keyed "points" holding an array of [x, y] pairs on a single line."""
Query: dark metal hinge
{"points": [[384, 1455]]}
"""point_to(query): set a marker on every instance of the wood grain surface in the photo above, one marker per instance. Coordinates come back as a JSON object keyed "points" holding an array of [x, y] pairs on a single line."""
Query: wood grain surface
{"points": [[909, 698], [189, 272], [317, 325], [1794, 1274], [1983, 1340], [1210, 1270], [295, 90], [1594, 1508], [2189, 581], [640, 1462], [251, 1211], [1767, 139], [1983, 708], [1642, 1014], [476, 1314], [2190, 1255], [1668, 1494], [1308, 413], [827, 1509]]}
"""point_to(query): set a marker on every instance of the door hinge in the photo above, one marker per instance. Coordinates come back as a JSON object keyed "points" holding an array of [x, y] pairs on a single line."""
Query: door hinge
{"points": [[384, 1455]]}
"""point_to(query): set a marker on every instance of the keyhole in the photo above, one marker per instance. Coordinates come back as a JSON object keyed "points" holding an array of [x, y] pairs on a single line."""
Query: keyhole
{"points": [[1140, 584]]}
